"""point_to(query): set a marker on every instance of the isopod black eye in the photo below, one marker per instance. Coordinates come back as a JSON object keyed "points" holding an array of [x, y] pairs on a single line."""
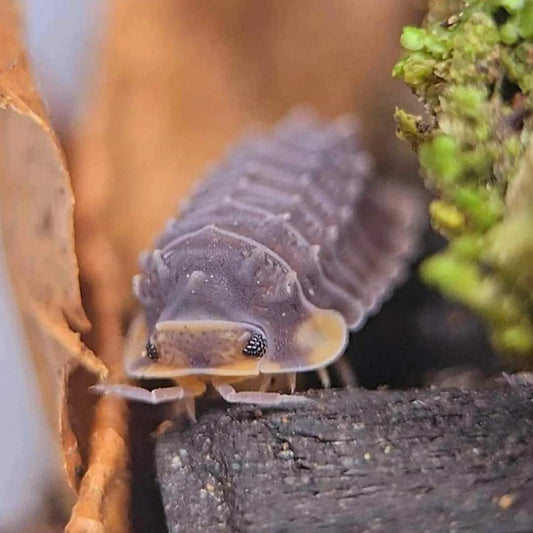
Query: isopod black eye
{"points": [[256, 346], [151, 351]]}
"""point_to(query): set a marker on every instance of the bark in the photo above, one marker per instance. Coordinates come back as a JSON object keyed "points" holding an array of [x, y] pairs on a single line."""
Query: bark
{"points": [[418, 460]]}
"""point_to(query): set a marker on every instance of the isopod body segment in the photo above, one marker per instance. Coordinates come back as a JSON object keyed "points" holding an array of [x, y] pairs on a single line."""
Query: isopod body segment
{"points": [[281, 250]]}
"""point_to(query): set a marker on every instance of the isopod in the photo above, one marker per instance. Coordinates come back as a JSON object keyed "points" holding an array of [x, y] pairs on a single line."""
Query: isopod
{"points": [[286, 246]]}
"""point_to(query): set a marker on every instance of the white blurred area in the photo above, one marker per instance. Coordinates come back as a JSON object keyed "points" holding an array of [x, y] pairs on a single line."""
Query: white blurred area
{"points": [[58, 37], [26, 456]]}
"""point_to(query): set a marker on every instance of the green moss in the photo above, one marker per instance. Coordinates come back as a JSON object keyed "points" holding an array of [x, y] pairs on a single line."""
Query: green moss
{"points": [[440, 159], [509, 33], [467, 246], [464, 280], [446, 218], [509, 246], [510, 5], [525, 21], [483, 207], [471, 64], [413, 38], [517, 339], [408, 127]]}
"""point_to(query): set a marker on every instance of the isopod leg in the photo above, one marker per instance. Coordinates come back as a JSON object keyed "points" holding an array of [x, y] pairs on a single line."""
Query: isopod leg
{"points": [[323, 374], [292, 381], [266, 399], [520, 378], [193, 387], [266, 381], [190, 408], [138, 394], [345, 372]]}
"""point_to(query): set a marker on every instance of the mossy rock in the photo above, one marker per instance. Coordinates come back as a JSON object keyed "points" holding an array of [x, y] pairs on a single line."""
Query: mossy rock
{"points": [[471, 64]]}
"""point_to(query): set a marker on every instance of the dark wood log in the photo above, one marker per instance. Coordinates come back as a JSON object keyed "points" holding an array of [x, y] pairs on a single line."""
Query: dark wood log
{"points": [[407, 461]]}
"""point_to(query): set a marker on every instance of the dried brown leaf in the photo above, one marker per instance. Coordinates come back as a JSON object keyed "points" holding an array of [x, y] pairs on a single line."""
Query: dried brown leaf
{"points": [[36, 210], [102, 505], [36, 213]]}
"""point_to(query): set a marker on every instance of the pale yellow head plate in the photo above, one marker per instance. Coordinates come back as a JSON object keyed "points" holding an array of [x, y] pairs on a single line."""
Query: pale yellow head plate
{"points": [[197, 347]]}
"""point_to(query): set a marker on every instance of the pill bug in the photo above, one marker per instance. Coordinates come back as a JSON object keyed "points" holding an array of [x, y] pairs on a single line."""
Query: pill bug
{"points": [[278, 253]]}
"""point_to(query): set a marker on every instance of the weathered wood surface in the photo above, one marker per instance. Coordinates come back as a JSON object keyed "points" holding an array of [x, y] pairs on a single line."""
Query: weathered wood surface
{"points": [[413, 461]]}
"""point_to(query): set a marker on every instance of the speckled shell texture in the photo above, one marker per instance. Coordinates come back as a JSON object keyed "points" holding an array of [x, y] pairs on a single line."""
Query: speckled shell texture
{"points": [[287, 223]]}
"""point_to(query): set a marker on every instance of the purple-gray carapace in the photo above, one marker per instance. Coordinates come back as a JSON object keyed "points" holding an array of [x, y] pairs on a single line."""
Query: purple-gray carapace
{"points": [[281, 250]]}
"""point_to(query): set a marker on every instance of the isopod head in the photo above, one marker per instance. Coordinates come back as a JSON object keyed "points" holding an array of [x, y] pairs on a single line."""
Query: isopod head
{"points": [[186, 347], [233, 308]]}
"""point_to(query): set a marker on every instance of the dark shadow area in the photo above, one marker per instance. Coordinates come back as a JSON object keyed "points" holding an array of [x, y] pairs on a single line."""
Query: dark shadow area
{"points": [[147, 512], [418, 332]]}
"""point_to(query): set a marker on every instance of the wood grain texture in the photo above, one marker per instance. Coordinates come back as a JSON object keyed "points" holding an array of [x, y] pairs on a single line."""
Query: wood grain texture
{"points": [[417, 461]]}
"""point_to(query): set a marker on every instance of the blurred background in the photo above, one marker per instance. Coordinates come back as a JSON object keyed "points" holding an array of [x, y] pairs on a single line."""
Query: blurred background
{"points": [[61, 38], [415, 336]]}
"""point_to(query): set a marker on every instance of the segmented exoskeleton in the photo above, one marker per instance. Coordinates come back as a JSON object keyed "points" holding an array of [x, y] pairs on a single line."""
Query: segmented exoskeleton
{"points": [[283, 248]]}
